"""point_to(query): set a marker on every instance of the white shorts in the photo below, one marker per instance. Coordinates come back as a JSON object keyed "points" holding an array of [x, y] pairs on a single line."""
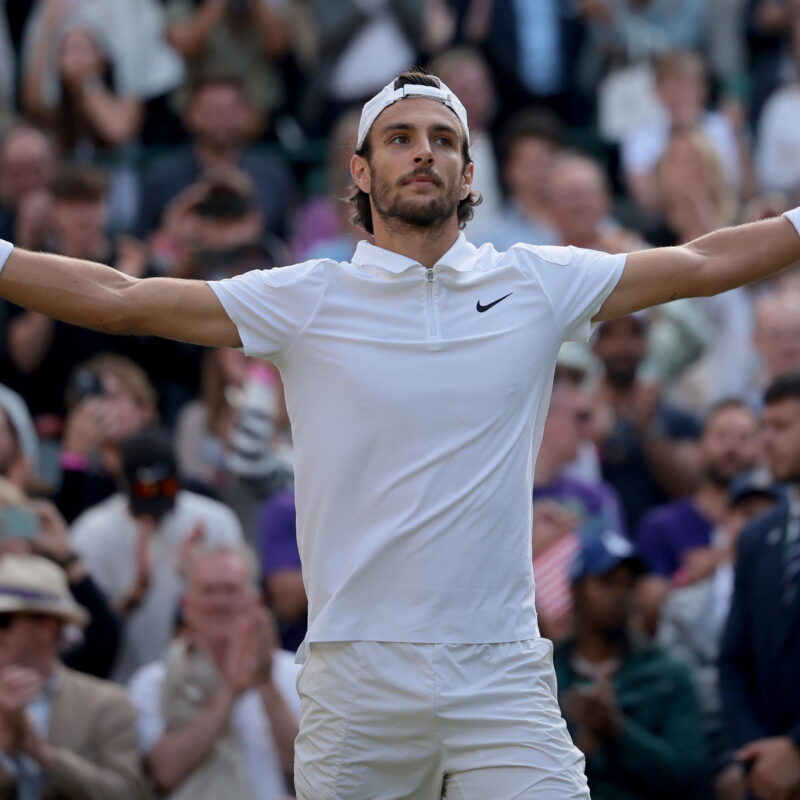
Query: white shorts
{"points": [[383, 721]]}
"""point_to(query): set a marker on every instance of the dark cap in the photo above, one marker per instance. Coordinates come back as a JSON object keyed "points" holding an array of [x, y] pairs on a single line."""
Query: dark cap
{"points": [[602, 553], [755, 482], [150, 472]]}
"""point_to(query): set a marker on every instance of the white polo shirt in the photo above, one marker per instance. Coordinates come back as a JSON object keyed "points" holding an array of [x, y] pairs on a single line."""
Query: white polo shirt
{"points": [[417, 400]]}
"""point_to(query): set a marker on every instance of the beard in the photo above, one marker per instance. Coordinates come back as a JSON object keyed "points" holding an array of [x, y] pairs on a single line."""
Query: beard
{"points": [[621, 373], [722, 474], [419, 212]]}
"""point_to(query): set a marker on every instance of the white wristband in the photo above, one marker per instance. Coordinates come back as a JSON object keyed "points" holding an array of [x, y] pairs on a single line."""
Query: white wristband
{"points": [[5, 252], [794, 217]]}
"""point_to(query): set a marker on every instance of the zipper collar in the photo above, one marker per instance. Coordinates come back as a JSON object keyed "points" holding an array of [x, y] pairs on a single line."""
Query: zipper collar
{"points": [[461, 257]]}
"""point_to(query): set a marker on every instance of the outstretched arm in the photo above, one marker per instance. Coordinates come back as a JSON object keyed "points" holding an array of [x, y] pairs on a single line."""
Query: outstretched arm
{"points": [[709, 265], [96, 296]]}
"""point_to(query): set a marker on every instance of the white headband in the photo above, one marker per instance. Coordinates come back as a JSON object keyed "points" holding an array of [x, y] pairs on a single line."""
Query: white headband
{"points": [[389, 95]]}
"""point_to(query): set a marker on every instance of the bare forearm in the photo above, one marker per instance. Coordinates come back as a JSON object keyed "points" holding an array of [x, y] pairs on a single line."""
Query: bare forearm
{"points": [[714, 263], [272, 29], [33, 100], [733, 257], [80, 292], [115, 119], [674, 464], [190, 36], [29, 337], [283, 723], [179, 752], [287, 594], [96, 296]]}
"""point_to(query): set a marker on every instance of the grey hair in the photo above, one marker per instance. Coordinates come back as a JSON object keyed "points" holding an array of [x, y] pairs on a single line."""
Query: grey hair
{"points": [[241, 551]]}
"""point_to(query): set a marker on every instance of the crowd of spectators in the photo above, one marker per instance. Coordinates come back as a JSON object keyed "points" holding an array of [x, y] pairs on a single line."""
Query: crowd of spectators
{"points": [[151, 594]]}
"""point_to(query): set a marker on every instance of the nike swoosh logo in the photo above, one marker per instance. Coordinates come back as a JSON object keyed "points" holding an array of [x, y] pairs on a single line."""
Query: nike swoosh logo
{"points": [[481, 308]]}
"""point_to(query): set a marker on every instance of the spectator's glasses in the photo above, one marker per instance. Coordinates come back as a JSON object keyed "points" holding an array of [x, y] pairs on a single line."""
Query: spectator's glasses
{"points": [[147, 490]]}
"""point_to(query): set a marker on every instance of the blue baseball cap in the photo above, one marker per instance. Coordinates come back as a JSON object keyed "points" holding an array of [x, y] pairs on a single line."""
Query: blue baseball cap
{"points": [[602, 553], [756, 482]]}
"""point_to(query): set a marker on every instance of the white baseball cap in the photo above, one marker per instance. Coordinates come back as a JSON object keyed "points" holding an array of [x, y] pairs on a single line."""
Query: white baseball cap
{"points": [[389, 95]]}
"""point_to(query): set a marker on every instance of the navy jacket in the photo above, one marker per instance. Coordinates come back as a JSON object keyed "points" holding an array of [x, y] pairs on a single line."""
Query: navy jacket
{"points": [[760, 654]]}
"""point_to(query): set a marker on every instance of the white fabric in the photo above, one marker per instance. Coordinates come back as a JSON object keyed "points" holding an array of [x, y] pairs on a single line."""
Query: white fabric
{"points": [[376, 52], [145, 64], [794, 217], [415, 419], [643, 146], [389, 95], [5, 252], [105, 536], [249, 721], [406, 720], [777, 157], [21, 421]]}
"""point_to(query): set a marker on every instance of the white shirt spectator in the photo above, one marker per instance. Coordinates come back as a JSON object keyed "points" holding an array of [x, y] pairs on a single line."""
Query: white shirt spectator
{"points": [[414, 515], [105, 536], [643, 146], [778, 146], [248, 720], [145, 64]]}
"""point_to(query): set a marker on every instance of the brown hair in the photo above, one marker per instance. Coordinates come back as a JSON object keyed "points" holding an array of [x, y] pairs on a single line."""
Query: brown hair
{"points": [[79, 183], [534, 123], [132, 377], [362, 210]]}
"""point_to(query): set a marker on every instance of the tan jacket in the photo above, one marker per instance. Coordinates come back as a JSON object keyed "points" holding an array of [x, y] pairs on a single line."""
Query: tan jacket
{"points": [[93, 731]]}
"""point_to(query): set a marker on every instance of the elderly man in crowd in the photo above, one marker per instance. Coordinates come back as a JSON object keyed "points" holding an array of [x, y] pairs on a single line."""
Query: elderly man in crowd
{"points": [[219, 714], [63, 735]]}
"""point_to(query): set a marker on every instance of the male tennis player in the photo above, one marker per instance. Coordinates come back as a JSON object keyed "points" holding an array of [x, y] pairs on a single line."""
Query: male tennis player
{"points": [[417, 379]]}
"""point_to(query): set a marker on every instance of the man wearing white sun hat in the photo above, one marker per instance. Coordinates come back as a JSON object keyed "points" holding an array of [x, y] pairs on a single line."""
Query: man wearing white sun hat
{"points": [[417, 380], [62, 734]]}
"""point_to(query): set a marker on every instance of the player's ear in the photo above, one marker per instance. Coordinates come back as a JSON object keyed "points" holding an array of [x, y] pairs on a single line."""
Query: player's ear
{"points": [[362, 175], [466, 181]]}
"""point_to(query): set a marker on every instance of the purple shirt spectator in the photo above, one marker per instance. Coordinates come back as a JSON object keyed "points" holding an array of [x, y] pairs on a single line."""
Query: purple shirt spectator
{"points": [[669, 531], [589, 501], [279, 553]]}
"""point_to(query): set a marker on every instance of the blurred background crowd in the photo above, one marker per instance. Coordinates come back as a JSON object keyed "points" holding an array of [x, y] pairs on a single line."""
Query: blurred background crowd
{"points": [[150, 587]]}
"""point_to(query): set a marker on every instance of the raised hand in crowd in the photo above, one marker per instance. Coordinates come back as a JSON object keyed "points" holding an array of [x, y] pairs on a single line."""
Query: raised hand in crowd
{"points": [[597, 714], [87, 426], [53, 542], [698, 564], [18, 686], [189, 546], [241, 665], [133, 256], [32, 224], [145, 526]]}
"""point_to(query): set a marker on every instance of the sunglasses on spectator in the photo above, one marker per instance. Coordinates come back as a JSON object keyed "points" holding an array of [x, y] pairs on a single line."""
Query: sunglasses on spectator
{"points": [[166, 487]]}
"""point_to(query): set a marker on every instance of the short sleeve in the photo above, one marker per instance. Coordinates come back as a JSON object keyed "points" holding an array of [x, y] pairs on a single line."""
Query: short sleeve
{"points": [[270, 308], [576, 282]]}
